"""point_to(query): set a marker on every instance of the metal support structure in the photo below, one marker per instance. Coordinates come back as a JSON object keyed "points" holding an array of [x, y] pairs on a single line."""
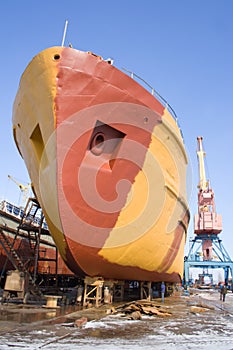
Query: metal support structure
{"points": [[221, 259], [22, 244], [33, 223]]}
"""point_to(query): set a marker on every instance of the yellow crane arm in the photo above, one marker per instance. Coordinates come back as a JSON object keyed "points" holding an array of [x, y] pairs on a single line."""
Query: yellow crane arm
{"points": [[21, 186], [203, 183]]}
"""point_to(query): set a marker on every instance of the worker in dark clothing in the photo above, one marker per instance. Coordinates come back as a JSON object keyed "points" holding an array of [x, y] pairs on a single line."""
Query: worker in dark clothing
{"points": [[220, 290], [223, 292]]}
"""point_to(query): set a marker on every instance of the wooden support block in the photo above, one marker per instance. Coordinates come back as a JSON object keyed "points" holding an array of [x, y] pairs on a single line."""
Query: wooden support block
{"points": [[52, 301]]}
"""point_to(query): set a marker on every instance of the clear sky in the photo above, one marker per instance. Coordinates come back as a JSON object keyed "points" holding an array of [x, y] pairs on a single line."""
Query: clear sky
{"points": [[183, 48]]}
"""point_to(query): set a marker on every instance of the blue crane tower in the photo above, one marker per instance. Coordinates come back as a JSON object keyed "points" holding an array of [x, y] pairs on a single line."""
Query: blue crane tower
{"points": [[207, 251]]}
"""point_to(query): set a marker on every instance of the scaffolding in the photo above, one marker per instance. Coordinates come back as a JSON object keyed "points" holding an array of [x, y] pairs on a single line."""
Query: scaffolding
{"points": [[22, 246]]}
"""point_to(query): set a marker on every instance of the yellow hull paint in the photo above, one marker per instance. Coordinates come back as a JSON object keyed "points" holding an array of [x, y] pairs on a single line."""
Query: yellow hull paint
{"points": [[40, 106], [156, 190]]}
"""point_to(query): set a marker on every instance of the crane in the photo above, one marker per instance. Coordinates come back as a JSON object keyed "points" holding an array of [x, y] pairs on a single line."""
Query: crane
{"points": [[24, 189], [207, 226], [207, 221]]}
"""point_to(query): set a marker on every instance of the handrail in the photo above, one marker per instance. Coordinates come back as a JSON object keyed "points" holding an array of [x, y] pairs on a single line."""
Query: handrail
{"points": [[153, 91], [18, 212]]}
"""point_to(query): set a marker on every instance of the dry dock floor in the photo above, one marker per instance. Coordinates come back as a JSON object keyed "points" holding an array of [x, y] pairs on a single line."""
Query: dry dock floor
{"points": [[18, 317], [199, 309]]}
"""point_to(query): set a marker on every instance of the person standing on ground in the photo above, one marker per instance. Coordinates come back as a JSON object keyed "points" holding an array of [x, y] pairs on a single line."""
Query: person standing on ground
{"points": [[220, 290], [163, 288], [224, 292]]}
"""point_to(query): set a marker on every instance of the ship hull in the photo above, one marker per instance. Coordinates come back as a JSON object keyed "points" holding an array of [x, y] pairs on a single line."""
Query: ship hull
{"points": [[108, 166]]}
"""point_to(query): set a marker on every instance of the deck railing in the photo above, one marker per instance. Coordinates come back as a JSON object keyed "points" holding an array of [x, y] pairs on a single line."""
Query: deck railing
{"points": [[18, 212], [154, 93]]}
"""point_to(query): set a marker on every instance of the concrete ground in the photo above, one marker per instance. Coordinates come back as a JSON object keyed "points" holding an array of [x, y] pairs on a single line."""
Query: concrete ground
{"points": [[16, 318]]}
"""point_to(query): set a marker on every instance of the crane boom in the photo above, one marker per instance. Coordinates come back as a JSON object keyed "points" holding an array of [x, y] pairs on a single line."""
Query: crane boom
{"points": [[23, 188], [203, 183]]}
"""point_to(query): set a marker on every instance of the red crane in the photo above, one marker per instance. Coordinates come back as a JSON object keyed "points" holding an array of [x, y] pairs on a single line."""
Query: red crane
{"points": [[207, 221]]}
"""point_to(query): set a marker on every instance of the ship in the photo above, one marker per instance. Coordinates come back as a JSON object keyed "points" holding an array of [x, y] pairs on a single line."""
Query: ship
{"points": [[26, 244], [107, 162]]}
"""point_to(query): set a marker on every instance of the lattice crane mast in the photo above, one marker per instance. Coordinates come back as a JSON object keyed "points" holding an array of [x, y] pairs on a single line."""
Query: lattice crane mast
{"points": [[207, 222]]}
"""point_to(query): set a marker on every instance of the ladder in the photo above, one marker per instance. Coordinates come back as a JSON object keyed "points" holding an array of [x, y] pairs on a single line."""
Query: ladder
{"points": [[28, 230], [32, 222], [11, 254]]}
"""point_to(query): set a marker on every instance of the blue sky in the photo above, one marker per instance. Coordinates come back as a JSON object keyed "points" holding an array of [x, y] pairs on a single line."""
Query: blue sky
{"points": [[182, 48]]}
